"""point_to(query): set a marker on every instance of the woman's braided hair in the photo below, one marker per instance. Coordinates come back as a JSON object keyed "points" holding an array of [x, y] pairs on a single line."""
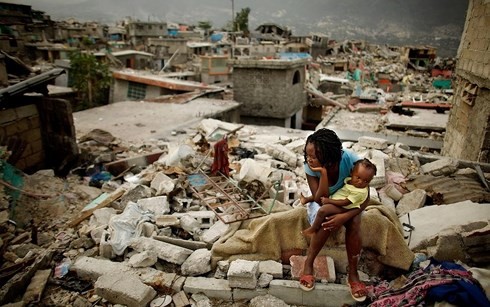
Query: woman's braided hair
{"points": [[327, 146]]}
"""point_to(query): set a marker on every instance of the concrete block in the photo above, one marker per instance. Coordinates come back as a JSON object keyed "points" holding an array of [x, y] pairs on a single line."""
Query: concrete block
{"points": [[158, 205], [162, 184], [7, 115], [243, 274], [123, 289], [211, 287], [248, 294], [323, 294], [264, 280], [411, 201], [373, 194], [180, 299], [206, 217], [183, 203], [198, 263], [167, 221], [372, 142], [323, 267], [296, 146], [143, 259], [105, 247], [441, 167], [26, 111], [291, 191], [271, 267], [379, 179], [168, 252], [215, 232], [281, 153], [178, 283]]}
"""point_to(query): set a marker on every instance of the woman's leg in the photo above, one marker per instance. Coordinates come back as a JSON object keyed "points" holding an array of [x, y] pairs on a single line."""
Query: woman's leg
{"points": [[353, 247], [319, 238]]}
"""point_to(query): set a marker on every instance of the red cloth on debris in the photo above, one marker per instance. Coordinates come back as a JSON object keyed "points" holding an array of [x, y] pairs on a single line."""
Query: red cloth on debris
{"points": [[221, 162]]}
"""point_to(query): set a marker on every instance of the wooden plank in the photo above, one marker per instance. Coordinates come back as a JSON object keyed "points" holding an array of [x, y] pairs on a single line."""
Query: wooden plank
{"points": [[86, 214], [35, 289]]}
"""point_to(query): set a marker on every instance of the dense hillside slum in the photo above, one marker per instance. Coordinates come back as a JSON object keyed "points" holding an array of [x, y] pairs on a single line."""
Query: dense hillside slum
{"points": [[183, 188]]}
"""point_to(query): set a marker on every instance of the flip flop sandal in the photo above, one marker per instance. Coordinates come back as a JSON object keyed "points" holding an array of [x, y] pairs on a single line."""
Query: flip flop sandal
{"points": [[356, 287], [307, 282]]}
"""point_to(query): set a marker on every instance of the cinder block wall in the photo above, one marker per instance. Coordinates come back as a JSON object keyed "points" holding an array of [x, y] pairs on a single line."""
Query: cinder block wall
{"points": [[24, 124], [467, 134], [266, 89]]}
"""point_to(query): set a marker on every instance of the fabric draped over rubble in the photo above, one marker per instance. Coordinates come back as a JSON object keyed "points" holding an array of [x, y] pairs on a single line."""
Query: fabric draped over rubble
{"points": [[267, 237]]}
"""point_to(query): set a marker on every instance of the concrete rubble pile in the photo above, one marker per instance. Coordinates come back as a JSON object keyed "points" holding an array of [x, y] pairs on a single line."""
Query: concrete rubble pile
{"points": [[141, 235], [386, 76]]}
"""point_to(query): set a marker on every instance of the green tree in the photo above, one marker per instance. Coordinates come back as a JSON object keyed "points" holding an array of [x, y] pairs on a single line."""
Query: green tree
{"points": [[206, 26], [90, 78], [241, 21]]}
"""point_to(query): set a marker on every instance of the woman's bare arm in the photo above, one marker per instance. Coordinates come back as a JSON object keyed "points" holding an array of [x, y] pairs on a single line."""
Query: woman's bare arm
{"points": [[318, 187], [335, 221]]}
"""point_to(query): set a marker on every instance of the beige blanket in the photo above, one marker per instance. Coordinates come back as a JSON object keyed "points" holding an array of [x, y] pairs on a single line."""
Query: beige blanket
{"points": [[266, 238]]}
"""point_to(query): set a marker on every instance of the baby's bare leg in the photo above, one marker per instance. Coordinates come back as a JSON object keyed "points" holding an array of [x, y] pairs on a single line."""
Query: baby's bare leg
{"points": [[323, 212]]}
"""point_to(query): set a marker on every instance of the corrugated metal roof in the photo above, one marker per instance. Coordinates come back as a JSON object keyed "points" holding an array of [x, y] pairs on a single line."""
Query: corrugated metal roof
{"points": [[449, 190]]}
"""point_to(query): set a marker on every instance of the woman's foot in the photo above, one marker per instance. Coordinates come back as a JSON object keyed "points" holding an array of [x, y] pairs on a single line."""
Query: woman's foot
{"points": [[307, 282], [358, 290]]}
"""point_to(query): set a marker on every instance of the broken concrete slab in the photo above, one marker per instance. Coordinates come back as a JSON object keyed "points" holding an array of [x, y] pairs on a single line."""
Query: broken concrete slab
{"points": [[89, 268], [158, 205], [324, 294], [411, 201], [372, 142], [143, 259], [431, 220], [168, 252], [198, 263], [211, 287], [441, 167], [124, 289]]}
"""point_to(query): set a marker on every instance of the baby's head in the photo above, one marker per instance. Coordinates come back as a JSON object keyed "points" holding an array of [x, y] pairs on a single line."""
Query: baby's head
{"points": [[362, 173]]}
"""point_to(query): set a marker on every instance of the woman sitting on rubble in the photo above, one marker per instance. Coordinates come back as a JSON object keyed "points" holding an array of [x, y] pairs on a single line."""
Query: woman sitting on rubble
{"points": [[323, 151]]}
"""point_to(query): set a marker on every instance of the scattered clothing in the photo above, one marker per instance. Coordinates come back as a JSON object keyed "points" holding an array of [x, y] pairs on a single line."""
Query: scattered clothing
{"points": [[439, 281]]}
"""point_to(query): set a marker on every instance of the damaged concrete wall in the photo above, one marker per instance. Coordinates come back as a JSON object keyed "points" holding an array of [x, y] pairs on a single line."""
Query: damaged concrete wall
{"points": [[269, 88], [468, 132], [21, 128], [40, 134]]}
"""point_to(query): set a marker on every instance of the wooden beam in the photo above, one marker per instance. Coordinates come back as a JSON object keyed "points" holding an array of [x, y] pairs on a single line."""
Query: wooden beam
{"points": [[86, 214]]}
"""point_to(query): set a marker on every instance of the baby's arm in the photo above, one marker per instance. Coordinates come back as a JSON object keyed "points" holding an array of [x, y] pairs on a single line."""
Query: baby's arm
{"points": [[336, 202]]}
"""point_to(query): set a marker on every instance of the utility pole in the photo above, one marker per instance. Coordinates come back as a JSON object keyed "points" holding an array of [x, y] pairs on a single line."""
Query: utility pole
{"points": [[232, 15]]}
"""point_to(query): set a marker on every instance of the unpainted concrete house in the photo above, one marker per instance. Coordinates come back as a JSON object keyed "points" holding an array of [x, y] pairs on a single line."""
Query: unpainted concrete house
{"points": [[468, 131], [271, 91], [137, 86], [139, 32], [37, 129]]}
